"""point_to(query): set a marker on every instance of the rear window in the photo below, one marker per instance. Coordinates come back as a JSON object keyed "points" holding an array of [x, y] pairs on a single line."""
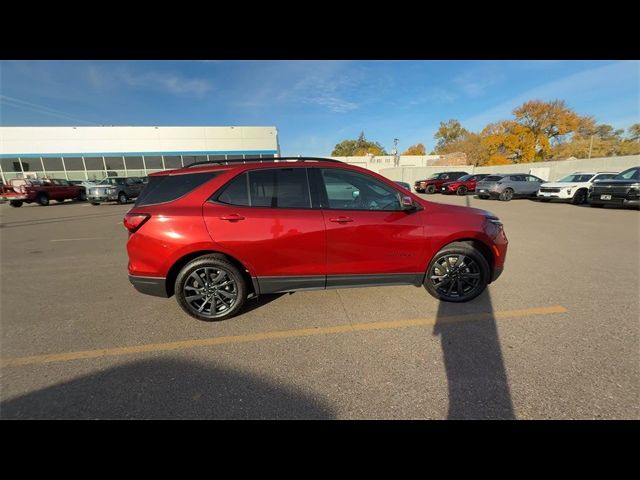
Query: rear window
{"points": [[168, 188], [492, 178]]}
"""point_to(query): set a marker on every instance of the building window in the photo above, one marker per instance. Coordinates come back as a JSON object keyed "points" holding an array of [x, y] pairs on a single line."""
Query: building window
{"points": [[93, 163], [31, 164], [235, 157], [74, 164], [114, 163], [53, 164], [152, 163], [217, 158], [10, 165], [134, 163], [172, 161]]}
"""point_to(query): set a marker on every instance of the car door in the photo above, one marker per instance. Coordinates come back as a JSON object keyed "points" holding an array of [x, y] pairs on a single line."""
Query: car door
{"points": [[532, 184], [370, 239], [55, 190], [264, 218]]}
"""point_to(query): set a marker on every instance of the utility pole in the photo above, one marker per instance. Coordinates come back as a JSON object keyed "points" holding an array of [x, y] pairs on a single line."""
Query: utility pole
{"points": [[396, 157], [590, 147]]}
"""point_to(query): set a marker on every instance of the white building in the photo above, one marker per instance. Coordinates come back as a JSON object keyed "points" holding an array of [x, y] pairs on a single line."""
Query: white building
{"points": [[79, 153]]}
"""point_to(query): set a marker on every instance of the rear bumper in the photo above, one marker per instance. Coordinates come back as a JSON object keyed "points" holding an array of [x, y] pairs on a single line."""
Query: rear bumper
{"points": [[155, 286], [8, 198]]}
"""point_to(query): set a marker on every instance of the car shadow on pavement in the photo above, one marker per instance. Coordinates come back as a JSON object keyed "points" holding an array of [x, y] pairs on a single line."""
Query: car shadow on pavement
{"points": [[167, 388], [260, 301], [476, 375]]}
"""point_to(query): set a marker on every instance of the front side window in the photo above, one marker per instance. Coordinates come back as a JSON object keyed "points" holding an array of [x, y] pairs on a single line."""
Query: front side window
{"points": [[347, 190]]}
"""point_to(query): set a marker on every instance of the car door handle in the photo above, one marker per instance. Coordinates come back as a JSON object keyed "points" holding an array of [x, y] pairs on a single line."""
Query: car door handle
{"points": [[232, 218], [341, 219]]}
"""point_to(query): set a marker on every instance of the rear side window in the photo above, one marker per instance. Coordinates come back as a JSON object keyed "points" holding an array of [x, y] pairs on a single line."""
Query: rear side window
{"points": [[492, 178], [168, 188], [272, 188]]}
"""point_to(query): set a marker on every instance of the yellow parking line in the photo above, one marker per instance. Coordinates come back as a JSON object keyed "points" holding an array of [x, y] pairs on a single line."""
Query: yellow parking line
{"points": [[256, 337]]}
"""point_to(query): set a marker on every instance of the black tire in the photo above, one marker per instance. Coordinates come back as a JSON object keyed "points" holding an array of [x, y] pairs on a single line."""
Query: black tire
{"points": [[478, 266], [431, 189], [185, 282], [596, 205], [579, 197], [462, 190], [506, 195], [43, 199], [16, 203], [82, 197], [122, 198]]}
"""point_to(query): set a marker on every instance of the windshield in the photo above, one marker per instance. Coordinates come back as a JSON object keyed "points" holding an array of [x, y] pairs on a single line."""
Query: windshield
{"points": [[575, 177], [631, 174]]}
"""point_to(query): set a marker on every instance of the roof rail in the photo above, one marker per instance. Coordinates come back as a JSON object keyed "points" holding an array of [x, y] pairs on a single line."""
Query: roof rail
{"points": [[262, 160]]}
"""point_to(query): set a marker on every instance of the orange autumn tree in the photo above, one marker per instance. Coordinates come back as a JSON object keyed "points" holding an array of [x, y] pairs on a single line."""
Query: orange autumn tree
{"points": [[417, 149]]}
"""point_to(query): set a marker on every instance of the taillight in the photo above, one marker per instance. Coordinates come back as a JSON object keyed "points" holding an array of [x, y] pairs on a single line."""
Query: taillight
{"points": [[133, 221]]}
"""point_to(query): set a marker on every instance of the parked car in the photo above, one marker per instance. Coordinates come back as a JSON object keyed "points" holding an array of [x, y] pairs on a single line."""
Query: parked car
{"points": [[507, 186], [573, 188], [621, 190], [464, 184], [404, 185], [112, 189], [214, 235], [42, 191], [435, 181]]}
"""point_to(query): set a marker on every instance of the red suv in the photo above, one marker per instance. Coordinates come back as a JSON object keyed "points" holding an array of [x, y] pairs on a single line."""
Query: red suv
{"points": [[435, 181], [464, 184], [217, 234]]}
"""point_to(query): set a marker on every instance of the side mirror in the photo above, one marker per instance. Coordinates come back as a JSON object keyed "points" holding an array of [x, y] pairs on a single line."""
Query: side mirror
{"points": [[407, 203]]}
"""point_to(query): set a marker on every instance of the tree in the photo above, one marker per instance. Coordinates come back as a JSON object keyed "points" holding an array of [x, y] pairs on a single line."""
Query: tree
{"points": [[634, 132], [417, 149], [356, 148], [510, 140], [498, 160], [548, 122], [449, 132]]}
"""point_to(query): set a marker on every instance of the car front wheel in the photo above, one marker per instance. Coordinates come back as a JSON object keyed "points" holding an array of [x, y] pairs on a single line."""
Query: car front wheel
{"points": [[462, 190], [431, 189], [210, 288], [506, 195], [457, 273]]}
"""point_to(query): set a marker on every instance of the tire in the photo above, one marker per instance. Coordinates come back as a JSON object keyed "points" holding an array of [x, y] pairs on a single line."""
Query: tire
{"points": [[82, 197], [461, 191], [16, 203], [122, 198], [43, 199], [506, 195], [187, 282], [467, 283], [431, 189], [579, 197]]}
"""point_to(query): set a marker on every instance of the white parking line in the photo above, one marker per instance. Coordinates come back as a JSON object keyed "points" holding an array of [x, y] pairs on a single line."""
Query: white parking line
{"points": [[76, 239]]}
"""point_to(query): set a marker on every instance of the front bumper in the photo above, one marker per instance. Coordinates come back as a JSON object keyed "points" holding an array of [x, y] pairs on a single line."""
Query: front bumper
{"points": [[562, 195], [102, 198], [155, 286], [621, 202]]}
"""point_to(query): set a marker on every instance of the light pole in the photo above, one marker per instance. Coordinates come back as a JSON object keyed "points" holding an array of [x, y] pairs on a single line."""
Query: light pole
{"points": [[590, 147], [396, 157]]}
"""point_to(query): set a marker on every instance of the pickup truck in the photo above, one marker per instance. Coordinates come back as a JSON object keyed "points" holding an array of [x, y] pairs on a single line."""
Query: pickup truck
{"points": [[29, 190]]}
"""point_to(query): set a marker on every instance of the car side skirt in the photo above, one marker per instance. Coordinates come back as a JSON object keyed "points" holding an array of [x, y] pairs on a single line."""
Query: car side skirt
{"points": [[281, 284]]}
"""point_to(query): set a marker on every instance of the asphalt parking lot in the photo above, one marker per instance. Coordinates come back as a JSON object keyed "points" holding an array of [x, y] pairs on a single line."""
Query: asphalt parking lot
{"points": [[557, 336]]}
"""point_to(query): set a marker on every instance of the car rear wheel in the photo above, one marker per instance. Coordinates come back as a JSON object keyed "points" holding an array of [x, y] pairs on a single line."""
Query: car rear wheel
{"points": [[15, 203], [579, 197], [431, 189], [462, 190], [210, 288], [122, 198], [457, 273], [43, 199], [506, 195]]}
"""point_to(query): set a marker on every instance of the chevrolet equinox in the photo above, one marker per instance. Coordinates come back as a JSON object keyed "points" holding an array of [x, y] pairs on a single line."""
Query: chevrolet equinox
{"points": [[216, 233]]}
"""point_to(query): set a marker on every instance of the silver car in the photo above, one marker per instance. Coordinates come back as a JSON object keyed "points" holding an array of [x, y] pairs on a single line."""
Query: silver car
{"points": [[508, 185], [110, 189]]}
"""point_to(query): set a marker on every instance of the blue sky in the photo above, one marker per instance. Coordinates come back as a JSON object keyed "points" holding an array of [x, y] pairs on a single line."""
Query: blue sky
{"points": [[314, 104]]}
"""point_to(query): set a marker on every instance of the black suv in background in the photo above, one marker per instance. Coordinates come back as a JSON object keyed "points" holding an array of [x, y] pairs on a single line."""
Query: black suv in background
{"points": [[621, 190]]}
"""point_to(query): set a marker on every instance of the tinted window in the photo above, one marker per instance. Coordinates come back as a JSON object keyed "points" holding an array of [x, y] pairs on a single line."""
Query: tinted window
{"points": [[531, 178], [631, 174], [235, 192], [516, 178], [167, 188], [457, 175], [279, 188], [356, 191], [604, 176]]}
